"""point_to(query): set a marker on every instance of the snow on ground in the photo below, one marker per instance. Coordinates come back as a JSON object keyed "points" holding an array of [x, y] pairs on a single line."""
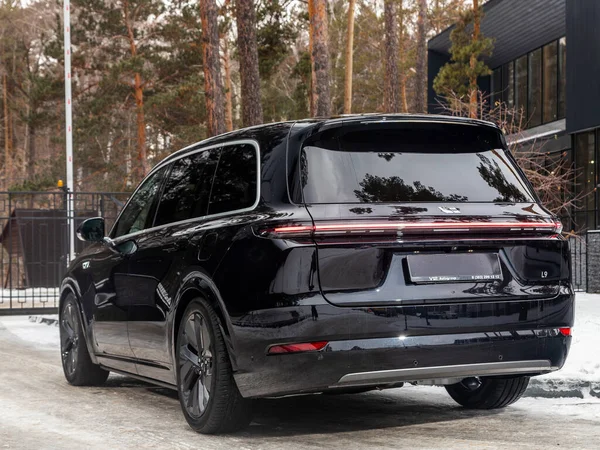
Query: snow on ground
{"points": [[580, 376], [33, 332], [581, 372]]}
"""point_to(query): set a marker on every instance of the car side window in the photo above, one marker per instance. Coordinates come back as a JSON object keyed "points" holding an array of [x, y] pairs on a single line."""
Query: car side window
{"points": [[235, 181], [136, 215], [187, 188]]}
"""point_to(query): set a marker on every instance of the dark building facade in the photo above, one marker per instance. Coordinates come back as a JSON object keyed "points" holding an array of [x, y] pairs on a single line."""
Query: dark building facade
{"points": [[546, 63]]}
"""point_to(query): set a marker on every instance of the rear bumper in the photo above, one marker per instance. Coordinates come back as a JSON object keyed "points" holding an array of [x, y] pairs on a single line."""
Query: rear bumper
{"points": [[387, 345], [385, 362]]}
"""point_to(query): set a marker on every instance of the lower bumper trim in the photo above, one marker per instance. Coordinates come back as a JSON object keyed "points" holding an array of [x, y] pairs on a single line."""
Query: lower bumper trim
{"points": [[457, 371]]}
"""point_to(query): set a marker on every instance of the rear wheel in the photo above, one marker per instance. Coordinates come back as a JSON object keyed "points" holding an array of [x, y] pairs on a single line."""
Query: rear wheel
{"points": [[209, 397], [76, 362], [488, 393]]}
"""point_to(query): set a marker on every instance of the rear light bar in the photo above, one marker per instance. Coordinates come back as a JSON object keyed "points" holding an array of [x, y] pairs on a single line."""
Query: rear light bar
{"points": [[297, 348], [401, 227]]}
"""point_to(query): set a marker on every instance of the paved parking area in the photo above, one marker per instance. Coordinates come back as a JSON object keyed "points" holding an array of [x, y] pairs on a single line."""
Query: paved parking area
{"points": [[38, 409]]}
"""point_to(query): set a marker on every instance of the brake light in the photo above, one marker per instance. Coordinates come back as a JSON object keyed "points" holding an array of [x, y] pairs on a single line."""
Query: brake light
{"points": [[297, 348], [565, 331], [394, 228]]}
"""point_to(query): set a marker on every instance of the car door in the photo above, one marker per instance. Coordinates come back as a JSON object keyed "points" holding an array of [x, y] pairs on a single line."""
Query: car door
{"points": [[114, 291], [162, 255]]}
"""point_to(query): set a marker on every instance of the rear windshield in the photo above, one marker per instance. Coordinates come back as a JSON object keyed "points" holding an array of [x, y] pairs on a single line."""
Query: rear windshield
{"points": [[380, 163]]}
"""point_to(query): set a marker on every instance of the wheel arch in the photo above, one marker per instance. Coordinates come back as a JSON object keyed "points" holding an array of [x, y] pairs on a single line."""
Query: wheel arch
{"points": [[70, 286], [198, 284]]}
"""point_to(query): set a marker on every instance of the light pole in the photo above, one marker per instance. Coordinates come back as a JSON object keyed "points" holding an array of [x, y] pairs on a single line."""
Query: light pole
{"points": [[69, 129]]}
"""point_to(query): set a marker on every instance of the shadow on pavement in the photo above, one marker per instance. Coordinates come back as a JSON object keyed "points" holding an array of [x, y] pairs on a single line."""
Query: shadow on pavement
{"points": [[334, 413]]}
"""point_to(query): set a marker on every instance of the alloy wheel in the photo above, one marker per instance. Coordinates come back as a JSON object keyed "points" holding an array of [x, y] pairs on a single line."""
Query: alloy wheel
{"points": [[69, 338], [195, 364]]}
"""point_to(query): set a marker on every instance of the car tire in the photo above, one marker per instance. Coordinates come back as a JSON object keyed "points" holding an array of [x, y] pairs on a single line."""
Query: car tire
{"points": [[491, 393], [209, 397], [77, 365]]}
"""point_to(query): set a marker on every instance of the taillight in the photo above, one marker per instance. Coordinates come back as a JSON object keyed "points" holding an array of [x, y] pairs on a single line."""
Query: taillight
{"points": [[404, 227], [287, 231], [565, 331], [297, 348]]}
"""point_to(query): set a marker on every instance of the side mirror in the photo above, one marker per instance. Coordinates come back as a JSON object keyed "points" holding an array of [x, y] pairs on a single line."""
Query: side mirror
{"points": [[91, 230]]}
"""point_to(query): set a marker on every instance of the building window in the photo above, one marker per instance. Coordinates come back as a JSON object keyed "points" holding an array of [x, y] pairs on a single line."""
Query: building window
{"points": [[521, 85], [496, 96], [550, 97], [535, 88], [585, 185], [510, 88], [534, 84], [562, 78]]}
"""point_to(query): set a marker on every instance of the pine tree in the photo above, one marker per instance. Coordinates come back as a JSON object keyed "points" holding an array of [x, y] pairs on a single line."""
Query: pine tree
{"points": [[459, 76], [213, 86], [349, 59], [391, 96], [320, 57], [421, 66], [252, 113]]}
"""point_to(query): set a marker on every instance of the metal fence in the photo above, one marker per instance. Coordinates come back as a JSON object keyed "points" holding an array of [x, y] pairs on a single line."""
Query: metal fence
{"points": [[34, 242], [579, 262]]}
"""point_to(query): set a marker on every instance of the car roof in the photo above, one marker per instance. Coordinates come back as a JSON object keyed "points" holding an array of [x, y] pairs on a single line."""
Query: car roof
{"points": [[346, 119]]}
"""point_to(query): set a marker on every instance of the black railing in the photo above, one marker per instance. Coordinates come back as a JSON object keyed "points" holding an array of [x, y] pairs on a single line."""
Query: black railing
{"points": [[34, 242], [579, 262]]}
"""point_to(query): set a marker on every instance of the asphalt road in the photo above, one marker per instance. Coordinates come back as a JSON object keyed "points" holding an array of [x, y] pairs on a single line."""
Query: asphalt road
{"points": [[38, 409]]}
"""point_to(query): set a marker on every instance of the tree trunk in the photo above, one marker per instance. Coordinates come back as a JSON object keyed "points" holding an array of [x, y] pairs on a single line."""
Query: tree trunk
{"points": [[391, 97], [421, 78], [228, 93], [7, 134], [138, 89], [245, 17], [320, 53], [141, 127], [312, 101], [349, 59], [213, 87], [473, 62], [402, 45], [31, 152]]}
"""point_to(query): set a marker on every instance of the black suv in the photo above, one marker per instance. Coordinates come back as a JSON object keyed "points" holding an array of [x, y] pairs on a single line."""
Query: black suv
{"points": [[326, 255]]}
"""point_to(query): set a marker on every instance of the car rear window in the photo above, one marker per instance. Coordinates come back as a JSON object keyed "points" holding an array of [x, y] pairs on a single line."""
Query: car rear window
{"points": [[410, 162]]}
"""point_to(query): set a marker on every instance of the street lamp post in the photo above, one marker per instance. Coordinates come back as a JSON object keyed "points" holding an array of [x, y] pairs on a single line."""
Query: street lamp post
{"points": [[69, 129]]}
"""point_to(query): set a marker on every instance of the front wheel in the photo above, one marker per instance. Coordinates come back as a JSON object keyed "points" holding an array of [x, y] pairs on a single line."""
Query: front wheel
{"points": [[209, 397], [76, 362], [488, 393]]}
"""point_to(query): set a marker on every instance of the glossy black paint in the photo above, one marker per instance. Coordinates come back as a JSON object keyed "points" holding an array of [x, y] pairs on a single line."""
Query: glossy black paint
{"points": [[352, 292]]}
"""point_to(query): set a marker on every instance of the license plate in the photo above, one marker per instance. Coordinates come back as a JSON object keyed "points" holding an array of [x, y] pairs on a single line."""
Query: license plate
{"points": [[452, 268]]}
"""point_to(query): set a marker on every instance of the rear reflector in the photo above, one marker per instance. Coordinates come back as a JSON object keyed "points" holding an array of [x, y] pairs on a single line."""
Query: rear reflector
{"points": [[297, 348], [565, 331]]}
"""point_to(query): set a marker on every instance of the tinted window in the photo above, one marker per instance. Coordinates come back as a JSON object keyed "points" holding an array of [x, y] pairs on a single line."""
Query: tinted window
{"points": [[137, 214], [234, 186], [187, 188], [425, 163]]}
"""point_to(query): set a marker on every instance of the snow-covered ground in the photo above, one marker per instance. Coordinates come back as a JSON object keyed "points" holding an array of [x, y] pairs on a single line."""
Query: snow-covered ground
{"points": [[579, 377], [583, 362]]}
